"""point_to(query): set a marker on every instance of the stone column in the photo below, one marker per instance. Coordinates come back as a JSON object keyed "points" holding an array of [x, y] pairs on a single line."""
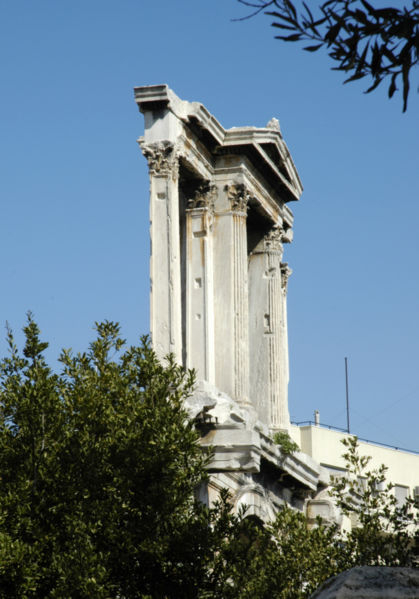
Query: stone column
{"points": [[285, 274], [165, 296], [231, 316], [199, 283], [267, 327]]}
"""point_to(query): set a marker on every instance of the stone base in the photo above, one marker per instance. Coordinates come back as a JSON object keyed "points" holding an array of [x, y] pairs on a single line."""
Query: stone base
{"points": [[245, 459], [371, 582]]}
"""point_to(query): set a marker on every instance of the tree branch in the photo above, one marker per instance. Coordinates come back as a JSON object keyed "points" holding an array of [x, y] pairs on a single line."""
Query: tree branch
{"points": [[381, 43]]}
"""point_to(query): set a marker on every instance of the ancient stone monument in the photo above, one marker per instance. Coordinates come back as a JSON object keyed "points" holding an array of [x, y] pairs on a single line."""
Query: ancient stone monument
{"points": [[219, 220]]}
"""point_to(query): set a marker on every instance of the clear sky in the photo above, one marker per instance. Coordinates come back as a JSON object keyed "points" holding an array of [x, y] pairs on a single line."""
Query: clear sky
{"points": [[74, 189]]}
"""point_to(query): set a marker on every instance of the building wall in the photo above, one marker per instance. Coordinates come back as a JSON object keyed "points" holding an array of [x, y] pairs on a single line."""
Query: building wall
{"points": [[325, 446]]}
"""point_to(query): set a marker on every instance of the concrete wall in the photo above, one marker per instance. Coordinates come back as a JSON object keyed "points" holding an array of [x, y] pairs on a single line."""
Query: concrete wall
{"points": [[325, 447]]}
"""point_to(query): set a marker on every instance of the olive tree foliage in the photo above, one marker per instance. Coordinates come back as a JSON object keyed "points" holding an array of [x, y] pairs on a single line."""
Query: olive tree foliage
{"points": [[384, 532], [362, 40], [288, 559], [98, 469], [294, 557]]}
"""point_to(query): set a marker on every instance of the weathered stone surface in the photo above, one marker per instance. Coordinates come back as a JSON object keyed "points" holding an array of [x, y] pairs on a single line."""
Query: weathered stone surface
{"points": [[371, 582], [219, 220]]}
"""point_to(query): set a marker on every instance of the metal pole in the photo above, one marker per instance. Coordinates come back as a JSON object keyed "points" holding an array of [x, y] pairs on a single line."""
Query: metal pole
{"points": [[347, 396]]}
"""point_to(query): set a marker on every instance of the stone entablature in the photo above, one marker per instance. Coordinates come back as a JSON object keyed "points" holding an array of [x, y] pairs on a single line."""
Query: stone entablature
{"points": [[219, 221]]}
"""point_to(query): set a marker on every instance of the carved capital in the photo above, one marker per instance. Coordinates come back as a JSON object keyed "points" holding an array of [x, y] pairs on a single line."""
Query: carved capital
{"points": [[238, 197], [285, 274], [161, 157], [272, 241], [287, 235], [203, 197]]}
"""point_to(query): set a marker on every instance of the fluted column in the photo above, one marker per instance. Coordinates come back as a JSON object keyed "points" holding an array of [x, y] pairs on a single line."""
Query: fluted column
{"points": [[165, 296], [231, 314], [267, 327], [285, 274], [238, 197], [199, 282]]}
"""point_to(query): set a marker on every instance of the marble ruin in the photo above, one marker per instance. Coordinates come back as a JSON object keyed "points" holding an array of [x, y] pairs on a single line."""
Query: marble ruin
{"points": [[220, 217]]}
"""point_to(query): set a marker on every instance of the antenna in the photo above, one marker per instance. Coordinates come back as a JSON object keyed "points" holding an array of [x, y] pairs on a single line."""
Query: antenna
{"points": [[347, 396]]}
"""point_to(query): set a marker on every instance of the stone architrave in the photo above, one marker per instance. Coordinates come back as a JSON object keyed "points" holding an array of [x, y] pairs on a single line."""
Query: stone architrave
{"points": [[199, 282], [268, 343], [165, 316]]}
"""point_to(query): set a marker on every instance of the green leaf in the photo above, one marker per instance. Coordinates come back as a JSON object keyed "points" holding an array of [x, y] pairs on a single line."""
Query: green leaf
{"points": [[313, 48], [289, 38], [355, 77], [392, 87], [374, 85]]}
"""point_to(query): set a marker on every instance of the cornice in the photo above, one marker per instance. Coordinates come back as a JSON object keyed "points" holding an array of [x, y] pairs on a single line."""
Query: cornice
{"points": [[264, 146]]}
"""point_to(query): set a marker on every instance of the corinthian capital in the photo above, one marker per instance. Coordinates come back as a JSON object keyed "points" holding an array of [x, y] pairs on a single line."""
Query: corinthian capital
{"points": [[285, 274], [238, 196], [203, 197], [161, 157], [272, 242], [287, 235]]}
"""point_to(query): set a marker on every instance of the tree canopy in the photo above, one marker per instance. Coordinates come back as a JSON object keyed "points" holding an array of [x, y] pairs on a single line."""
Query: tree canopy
{"points": [[381, 43], [99, 471], [99, 466]]}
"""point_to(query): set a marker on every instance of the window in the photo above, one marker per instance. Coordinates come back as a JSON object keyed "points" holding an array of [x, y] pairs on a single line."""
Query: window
{"points": [[401, 493]]}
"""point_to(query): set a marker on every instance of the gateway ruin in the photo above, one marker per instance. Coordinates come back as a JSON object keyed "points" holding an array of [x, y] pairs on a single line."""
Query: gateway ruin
{"points": [[220, 218]]}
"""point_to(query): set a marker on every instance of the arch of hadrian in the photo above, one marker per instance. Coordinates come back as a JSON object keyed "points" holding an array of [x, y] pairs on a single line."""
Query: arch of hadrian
{"points": [[219, 222]]}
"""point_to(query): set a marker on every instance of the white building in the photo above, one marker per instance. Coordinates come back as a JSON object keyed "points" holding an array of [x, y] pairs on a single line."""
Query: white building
{"points": [[324, 445]]}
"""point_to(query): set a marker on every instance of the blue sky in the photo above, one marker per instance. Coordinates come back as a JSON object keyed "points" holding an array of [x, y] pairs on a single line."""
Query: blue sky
{"points": [[74, 189]]}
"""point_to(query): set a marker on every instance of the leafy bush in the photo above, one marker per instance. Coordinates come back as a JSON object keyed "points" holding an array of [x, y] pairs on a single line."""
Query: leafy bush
{"points": [[288, 446]]}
